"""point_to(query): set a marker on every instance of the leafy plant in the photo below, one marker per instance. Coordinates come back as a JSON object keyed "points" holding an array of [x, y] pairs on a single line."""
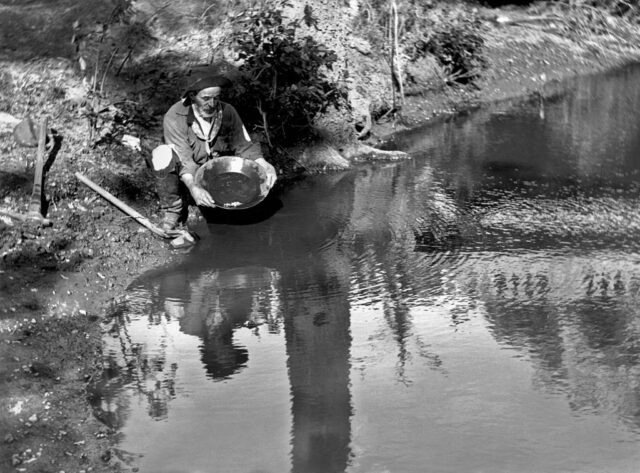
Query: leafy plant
{"points": [[102, 50], [283, 86], [457, 44], [451, 31]]}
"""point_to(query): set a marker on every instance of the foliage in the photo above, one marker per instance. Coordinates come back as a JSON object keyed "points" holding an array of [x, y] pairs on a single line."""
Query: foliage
{"points": [[626, 8], [502, 3], [580, 19], [103, 48], [458, 47], [283, 85], [449, 31], [23, 87]]}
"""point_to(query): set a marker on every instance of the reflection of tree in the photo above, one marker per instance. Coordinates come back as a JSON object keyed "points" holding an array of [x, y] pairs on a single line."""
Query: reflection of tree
{"points": [[534, 328], [598, 118], [549, 282], [128, 363], [555, 280], [386, 270], [316, 314], [580, 331], [398, 318], [604, 337], [499, 149]]}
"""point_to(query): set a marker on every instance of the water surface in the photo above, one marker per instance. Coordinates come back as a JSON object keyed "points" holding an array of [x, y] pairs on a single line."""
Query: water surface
{"points": [[472, 309]]}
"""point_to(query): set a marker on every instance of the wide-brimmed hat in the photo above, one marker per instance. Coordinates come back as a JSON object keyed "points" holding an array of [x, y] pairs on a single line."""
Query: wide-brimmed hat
{"points": [[203, 77]]}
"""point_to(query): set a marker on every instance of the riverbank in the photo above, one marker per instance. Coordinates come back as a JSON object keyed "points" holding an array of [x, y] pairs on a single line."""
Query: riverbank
{"points": [[59, 284], [526, 60]]}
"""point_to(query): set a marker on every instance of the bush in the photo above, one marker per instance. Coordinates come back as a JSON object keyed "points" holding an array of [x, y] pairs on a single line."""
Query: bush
{"points": [[458, 47], [282, 87], [448, 30]]}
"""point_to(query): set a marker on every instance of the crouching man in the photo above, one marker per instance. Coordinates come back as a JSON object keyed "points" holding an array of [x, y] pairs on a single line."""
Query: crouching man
{"points": [[196, 129]]}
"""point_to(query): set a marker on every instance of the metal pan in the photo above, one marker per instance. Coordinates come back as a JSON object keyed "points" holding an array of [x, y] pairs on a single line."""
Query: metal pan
{"points": [[233, 182]]}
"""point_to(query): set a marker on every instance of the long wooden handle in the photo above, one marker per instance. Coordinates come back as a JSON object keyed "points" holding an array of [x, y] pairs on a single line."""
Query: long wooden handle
{"points": [[142, 220], [35, 203]]}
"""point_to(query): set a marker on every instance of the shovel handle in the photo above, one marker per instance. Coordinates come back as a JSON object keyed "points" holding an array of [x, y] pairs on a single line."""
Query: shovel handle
{"points": [[142, 220], [35, 204]]}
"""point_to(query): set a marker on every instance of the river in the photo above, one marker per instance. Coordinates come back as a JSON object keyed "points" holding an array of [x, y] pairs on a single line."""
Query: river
{"points": [[475, 308]]}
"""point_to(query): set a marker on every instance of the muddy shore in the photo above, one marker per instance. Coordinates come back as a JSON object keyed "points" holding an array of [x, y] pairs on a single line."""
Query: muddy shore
{"points": [[59, 284]]}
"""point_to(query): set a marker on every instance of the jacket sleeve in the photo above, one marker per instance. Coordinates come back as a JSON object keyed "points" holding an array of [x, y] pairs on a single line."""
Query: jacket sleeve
{"points": [[239, 140], [175, 134]]}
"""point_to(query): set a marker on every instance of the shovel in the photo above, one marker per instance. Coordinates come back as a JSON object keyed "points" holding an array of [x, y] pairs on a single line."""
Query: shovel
{"points": [[27, 134], [179, 239]]}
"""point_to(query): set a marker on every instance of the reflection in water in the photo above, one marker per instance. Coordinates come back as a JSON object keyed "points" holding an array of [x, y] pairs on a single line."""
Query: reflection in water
{"points": [[472, 309], [318, 340]]}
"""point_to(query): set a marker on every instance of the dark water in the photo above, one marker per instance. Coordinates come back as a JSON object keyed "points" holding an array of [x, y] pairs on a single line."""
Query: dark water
{"points": [[472, 309]]}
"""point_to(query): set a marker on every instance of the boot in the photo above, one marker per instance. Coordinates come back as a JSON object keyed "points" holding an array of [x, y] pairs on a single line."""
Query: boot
{"points": [[170, 189]]}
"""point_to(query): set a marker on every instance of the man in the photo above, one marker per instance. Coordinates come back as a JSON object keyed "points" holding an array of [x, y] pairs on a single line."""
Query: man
{"points": [[198, 128]]}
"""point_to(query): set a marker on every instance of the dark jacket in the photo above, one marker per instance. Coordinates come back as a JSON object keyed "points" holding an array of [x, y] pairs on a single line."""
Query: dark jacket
{"points": [[232, 138]]}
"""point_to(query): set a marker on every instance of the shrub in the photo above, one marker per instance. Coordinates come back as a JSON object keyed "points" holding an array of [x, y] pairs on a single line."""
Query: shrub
{"points": [[283, 85], [448, 30], [457, 44]]}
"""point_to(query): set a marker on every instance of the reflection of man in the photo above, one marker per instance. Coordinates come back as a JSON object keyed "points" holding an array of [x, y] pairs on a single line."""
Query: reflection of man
{"points": [[212, 306], [196, 129], [231, 309]]}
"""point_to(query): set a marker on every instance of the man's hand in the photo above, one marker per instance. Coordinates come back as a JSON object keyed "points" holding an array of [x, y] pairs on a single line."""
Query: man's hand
{"points": [[271, 173], [200, 195]]}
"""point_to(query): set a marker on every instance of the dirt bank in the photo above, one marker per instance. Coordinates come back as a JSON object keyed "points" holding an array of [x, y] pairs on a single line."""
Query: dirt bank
{"points": [[525, 59], [57, 284]]}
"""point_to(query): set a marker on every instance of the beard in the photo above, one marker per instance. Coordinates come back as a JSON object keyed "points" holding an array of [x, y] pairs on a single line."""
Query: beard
{"points": [[207, 110]]}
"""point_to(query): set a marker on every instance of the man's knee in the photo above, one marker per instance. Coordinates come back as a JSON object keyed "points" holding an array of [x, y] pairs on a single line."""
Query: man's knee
{"points": [[163, 160]]}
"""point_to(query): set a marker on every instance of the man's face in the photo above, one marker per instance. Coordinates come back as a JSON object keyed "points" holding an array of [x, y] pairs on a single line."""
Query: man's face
{"points": [[206, 101]]}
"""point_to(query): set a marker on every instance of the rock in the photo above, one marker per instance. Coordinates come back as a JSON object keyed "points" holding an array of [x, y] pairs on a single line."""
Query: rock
{"points": [[42, 369], [17, 409], [9, 438], [321, 156], [362, 152], [77, 94], [132, 142], [106, 456], [361, 45], [25, 133], [7, 122]]}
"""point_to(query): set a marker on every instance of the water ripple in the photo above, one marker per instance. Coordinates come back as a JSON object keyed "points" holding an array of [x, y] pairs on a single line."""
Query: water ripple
{"points": [[576, 221]]}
